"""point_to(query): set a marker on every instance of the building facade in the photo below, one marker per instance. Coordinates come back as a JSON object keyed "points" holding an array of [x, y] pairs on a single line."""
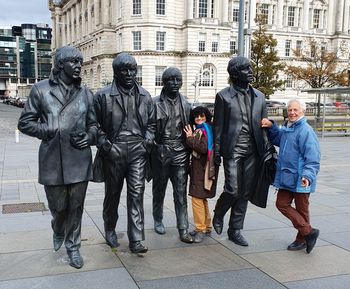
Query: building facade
{"points": [[25, 57], [197, 36]]}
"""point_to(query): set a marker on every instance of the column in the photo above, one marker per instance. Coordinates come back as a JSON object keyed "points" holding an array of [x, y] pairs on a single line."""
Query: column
{"points": [[83, 22], [64, 29], [306, 15], [73, 26], [57, 26], [339, 16], [54, 31], [78, 26], [330, 19], [96, 13], [104, 12], [88, 28], [280, 14], [224, 10], [346, 17], [252, 12], [69, 26], [190, 9]]}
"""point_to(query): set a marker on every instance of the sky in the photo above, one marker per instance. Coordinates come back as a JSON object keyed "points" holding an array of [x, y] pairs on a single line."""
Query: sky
{"points": [[17, 12]]}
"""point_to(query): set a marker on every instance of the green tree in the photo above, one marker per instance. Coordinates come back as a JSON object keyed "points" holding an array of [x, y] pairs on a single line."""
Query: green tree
{"points": [[265, 62]]}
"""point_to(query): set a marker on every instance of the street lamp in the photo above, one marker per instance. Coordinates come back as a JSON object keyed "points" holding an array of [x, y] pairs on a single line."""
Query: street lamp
{"points": [[241, 28], [195, 84]]}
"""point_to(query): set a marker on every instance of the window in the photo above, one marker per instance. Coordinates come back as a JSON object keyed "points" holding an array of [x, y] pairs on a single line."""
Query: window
{"points": [[160, 7], [139, 75], [201, 42], [264, 11], [136, 40], [203, 8], [215, 43], [120, 40], [298, 46], [120, 8], [206, 76], [235, 15], [312, 50], [291, 16], [158, 76], [289, 82], [160, 41], [136, 7], [287, 48], [233, 47], [316, 18]]}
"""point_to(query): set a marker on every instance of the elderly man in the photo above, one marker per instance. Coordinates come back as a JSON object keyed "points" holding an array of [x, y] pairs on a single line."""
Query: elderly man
{"points": [[297, 167], [59, 111], [170, 158], [126, 116], [238, 138]]}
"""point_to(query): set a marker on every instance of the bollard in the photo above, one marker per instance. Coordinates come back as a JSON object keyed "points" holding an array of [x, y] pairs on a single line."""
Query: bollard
{"points": [[17, 135]]}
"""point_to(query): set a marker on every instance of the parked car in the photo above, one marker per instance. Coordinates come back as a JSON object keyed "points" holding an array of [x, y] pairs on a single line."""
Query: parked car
{"points": [[20, 101], [275, 104]]}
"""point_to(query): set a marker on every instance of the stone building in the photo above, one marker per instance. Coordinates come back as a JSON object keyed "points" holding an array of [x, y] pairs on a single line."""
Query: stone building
{"points": [[197, 36]]}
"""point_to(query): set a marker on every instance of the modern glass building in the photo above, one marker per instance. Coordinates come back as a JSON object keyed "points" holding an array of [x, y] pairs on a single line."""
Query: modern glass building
{"points": [[25, 57]]}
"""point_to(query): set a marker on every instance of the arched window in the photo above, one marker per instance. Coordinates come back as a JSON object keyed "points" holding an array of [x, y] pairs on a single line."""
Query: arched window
{"points": [[207, 75]]}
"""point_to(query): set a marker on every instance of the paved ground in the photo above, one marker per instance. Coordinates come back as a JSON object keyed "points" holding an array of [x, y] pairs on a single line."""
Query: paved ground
{"points": [[27, 259]]}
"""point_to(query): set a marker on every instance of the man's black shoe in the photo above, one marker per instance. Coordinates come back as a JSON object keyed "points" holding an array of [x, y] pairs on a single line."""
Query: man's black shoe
{"points": [[311, 240], [75, 260], [237, 238], [57, 242], [296, 246], [185, 237], [111, 239], [218, 224], [159, 228], [137, 247]]}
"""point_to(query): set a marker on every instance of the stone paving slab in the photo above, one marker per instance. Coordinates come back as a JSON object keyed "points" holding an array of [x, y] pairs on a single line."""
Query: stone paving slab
{"points": [[341, 239], [240, 279], [286, 266], [42, 239], [48, 262], [331, 223], [24, 222], [265, 240], [335, 282], [100, 279], [165, 263]]}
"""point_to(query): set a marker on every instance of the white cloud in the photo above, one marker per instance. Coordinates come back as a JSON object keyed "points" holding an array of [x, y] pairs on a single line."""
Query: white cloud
{"points": [[17, 12]]}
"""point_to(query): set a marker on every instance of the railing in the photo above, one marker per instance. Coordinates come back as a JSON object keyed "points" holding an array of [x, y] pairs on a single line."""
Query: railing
{"points": [[312, 111], [335, 121]]}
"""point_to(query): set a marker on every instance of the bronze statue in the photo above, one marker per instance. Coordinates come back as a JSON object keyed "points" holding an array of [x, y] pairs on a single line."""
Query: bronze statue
{"points": [[238, 138], [170, 157], [60, 112], [126, 118]]}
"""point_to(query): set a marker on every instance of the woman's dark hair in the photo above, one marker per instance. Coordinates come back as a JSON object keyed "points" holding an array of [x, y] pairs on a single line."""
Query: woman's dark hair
{"points": [[200, 110]]}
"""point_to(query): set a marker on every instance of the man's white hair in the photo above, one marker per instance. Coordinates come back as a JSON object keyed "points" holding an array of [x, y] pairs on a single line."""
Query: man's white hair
{"points": [[299, 101]]}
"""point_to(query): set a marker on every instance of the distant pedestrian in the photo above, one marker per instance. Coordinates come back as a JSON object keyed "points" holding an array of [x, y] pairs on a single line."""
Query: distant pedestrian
{"points": [[203, 172], [297, 166]]}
